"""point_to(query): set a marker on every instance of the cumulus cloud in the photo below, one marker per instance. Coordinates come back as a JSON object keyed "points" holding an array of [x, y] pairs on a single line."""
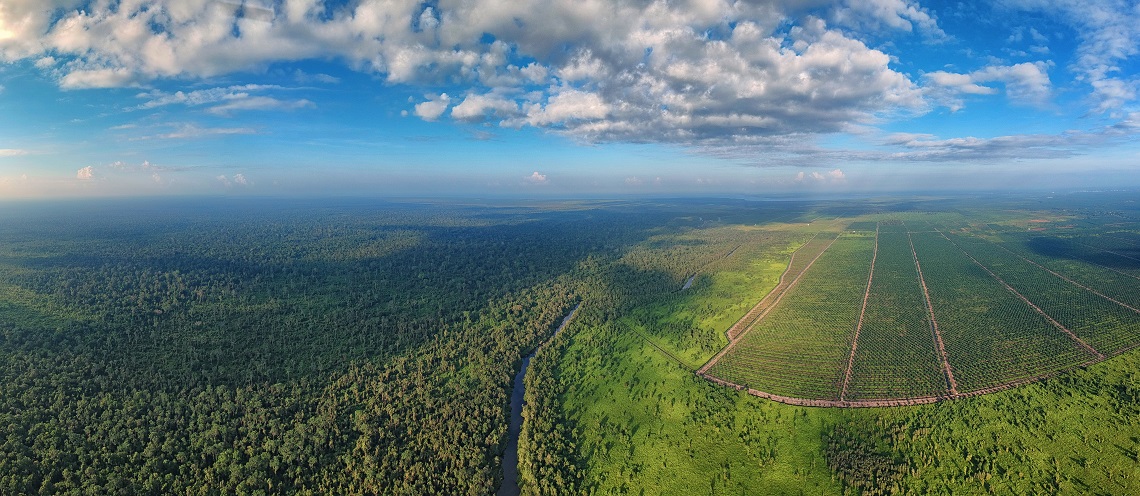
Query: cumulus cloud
{"points": [[97, 78], [834, 176], [536, 178], [888, 14], [85, 174], [726, 77], [713, 71], [433, 108], [237, 180], [479, 107]]}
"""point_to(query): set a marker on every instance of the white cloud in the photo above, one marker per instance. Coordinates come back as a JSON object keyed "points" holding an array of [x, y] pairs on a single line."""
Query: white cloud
{"points": [[1108, 35], [259, 103], [834, 177], [893, 14], [97, 78], [1026, 82], [85, 174], [433, 108], [228, 99], [536, 178], [237, 180], [567, 106], [476, 107], [699, 71], [189, 131], [200, 97], [12, 152], [304, 77]]}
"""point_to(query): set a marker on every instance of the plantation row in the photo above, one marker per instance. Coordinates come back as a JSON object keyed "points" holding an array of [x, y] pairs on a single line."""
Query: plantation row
{"points": [[799, 262], [943, 314], [800, 348], [896, 355]]}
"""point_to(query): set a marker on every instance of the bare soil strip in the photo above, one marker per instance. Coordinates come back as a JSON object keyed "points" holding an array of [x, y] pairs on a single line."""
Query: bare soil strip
{"points": [[892, 402], [828, 403], [750, 317], [732, 340], [862, 312], [953, 386], [1079, 341], [1070, 281], [934, 323]]}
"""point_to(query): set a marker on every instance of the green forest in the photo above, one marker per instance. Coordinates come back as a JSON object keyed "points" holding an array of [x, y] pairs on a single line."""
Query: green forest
{"points": [[260, 346]]}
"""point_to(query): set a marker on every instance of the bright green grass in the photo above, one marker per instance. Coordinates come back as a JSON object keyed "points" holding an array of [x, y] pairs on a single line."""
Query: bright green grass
{"points": [[644, 425], [691, 324], [1078, 433]]}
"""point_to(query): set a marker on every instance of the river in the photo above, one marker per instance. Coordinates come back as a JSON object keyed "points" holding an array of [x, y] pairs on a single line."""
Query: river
{"points": [[510, 485]]}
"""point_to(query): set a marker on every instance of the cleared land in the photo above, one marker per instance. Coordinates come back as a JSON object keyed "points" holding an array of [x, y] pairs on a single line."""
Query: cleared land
{"points": [[1099, 320], [800, 348], [896, 355], [799, 262], [889, 315]]}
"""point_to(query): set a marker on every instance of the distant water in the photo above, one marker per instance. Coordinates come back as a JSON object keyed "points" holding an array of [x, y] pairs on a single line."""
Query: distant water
{"points": [[689, 282], [510, 485]]}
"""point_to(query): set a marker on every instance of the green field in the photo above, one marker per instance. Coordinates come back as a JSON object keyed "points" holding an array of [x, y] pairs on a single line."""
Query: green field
{"points": [[800, 348], [896, 356], [1002, 318], [640, 423]]}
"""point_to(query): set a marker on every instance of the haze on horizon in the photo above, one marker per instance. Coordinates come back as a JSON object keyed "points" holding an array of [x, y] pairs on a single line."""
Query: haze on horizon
{"points": [[564, 97]]}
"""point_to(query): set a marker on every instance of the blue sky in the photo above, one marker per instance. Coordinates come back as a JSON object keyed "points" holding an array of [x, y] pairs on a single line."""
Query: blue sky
{"points": [[564, 97]]}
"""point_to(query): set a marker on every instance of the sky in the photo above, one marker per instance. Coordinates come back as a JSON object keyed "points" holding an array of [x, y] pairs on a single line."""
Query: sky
{"points": [[565, 97]]}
